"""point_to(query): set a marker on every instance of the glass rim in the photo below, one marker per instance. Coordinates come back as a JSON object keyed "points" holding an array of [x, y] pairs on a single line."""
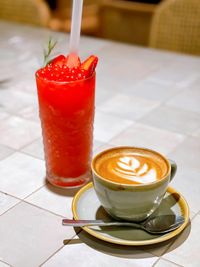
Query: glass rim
{"points": [[64, 82]]}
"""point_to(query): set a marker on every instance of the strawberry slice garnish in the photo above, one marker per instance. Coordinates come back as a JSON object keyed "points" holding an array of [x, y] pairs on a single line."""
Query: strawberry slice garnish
{"points": [[89, 64], [73, 61], [58, 60], [58, 69]]}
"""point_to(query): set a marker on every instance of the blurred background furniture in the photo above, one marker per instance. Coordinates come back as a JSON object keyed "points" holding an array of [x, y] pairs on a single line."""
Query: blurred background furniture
{"points": [[119, 20], [61, 16], [176, 26], [166, 24], [34, 12], [126, 21]]}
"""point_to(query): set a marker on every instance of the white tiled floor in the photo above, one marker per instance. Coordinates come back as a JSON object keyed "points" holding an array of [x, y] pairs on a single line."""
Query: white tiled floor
{"points": [[188, 99], [96, 253], [164, 263], [21, 175], [188, 153], [185, 181], [173, 119], [146, 136], [186, 253], [53, 199], [4, 264], [5, 151], [144, 97], [12, 100], [16, 132], [152, 90], [197, 133], [35, 149], [176, 73], [107, 126], [3, 114], [31, 112], [7, 202], [30, 240], [128, 107]]}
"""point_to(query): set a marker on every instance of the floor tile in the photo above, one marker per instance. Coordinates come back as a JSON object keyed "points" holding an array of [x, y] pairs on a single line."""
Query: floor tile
{"points": [[187, 182], [121, 71], [160, 248], [196, 133], [54, 199], [103, 92], [3, 114], [35, 149], [13, 100], [34, 236], [186, 252], [188, 99], [102, 148], [165, 263], [97, 144], [107, 126], [2, 264], [7, 202], [173, 119], [152, 90], [145, 136], [30, 113], [16, 132], [187, 154], [5, 151], [128, 107], [21, 175], [95, 253], [176, 73], [125, 66], [27, 85]]}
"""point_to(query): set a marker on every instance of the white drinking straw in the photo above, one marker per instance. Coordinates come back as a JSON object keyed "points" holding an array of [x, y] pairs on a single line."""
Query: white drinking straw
{"points": [[75, 26]]}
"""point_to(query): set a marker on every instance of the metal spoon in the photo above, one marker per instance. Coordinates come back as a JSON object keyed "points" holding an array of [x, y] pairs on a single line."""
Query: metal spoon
{"points": [[156, 225]]}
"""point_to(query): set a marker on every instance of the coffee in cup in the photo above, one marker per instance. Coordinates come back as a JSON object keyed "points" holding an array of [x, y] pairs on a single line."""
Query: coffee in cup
{"points": [[130, 182]]}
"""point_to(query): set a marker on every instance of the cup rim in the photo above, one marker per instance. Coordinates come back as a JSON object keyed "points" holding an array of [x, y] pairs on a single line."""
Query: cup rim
{"points": [[131, 185]]}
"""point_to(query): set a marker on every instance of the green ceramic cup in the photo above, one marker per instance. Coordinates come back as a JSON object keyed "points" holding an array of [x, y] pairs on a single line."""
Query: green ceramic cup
{"points": [[132, 202]]}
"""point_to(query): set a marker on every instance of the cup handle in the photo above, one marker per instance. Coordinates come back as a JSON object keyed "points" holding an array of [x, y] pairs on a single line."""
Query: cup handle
{"points": [[173, 168]]}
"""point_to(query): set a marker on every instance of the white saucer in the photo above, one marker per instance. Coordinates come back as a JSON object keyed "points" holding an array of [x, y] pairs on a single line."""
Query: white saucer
{"points": [[87, 206]]}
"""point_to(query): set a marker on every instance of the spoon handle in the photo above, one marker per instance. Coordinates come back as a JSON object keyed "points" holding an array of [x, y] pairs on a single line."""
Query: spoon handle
{"points": [[80, 223]]}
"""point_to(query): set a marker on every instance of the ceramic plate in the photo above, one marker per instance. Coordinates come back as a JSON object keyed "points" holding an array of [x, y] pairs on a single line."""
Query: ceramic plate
{"points": [[87, 206]]}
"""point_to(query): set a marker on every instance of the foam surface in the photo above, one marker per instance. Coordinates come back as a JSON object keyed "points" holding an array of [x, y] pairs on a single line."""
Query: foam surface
{"points": [[131, 166]]}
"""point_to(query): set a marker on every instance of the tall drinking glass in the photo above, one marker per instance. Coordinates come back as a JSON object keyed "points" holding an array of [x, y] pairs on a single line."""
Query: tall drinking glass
{"points": [[67, 113]]}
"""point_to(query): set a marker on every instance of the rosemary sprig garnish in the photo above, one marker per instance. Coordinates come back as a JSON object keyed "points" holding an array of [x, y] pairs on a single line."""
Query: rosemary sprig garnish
{"points": [[47, 52]]}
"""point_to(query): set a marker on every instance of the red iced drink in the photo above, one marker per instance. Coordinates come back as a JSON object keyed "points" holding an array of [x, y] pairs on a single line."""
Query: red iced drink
{"points": [[66, 104]]}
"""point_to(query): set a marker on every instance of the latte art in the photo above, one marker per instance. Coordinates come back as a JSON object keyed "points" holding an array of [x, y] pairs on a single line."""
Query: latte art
{"points": [[130, 166], [133, 169]]}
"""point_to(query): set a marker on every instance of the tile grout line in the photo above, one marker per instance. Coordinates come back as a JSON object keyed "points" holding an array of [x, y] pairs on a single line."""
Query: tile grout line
{"points": [[59, 249], [148, 125], [11, 207], [172, 243], [156, 262], [31, 204], [6, 263], [176, 264], [52, 255], [22, 147], [31, 155], [46, 210]]}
